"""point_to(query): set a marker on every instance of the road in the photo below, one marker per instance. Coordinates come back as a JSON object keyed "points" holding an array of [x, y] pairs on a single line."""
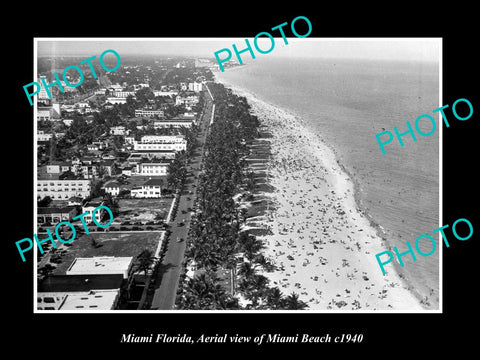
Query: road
{"points": [[166, 283]]}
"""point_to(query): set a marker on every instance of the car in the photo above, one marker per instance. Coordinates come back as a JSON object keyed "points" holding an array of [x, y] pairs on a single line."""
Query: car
{"points": [[179, 239], [181, 224]]}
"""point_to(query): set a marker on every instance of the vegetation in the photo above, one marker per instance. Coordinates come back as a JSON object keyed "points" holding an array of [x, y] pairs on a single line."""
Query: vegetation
{"points": [[217, 241]]}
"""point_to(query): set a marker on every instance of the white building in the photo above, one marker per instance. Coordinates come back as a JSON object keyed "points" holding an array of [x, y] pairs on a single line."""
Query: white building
{"points": [[78, 300], [161, 143], [63, 189], [102, 265], [195, 86], [148, 113], [164, 93], [112, 188], [58, 167], [116, 100], [188, 99], [68, 122], [88, 208], [150, 189], [42, 136], [173, 123], [123, 94], [91, 300], [152, 167], [118, 130]]}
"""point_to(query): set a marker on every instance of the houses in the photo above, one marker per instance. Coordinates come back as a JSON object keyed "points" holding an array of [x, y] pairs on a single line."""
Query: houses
{"points": [[152, 188]]}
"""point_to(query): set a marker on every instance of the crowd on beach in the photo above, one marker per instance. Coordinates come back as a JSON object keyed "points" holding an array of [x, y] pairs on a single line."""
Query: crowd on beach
{"points": [[322, 244]]}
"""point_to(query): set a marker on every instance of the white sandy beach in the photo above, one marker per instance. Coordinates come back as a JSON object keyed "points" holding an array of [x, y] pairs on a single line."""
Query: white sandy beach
{"points": [[323, 245]]}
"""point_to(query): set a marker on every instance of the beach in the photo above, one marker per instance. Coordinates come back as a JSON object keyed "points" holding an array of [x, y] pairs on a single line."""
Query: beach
{"points": [[322, 244]]}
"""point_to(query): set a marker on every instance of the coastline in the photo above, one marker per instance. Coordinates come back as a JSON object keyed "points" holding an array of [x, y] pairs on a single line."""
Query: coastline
{"points": [[347, 276]]}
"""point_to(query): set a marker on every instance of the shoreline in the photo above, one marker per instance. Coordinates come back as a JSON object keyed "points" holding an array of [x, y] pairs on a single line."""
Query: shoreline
{"points": [[396, 293]]}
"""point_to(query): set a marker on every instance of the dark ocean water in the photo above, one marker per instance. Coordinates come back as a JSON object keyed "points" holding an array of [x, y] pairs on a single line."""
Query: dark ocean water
{"points": [[347, 102]]}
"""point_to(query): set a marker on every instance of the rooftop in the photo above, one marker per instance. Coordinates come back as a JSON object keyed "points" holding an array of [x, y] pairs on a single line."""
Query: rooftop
{"points": [[72, 283], [100, 265], [92, 300], [54, 210]]}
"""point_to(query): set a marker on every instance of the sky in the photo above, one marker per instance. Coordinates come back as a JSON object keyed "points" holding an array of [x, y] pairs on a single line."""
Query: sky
{"points": [[408, 49]]}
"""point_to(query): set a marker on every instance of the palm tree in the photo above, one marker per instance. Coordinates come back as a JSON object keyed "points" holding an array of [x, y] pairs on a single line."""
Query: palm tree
{"points": [[274, 298], [145, 260], [292, 302]]}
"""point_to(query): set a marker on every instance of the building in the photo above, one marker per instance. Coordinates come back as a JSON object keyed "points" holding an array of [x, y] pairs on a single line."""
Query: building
{"points": [[187, 98], [148, 113], [161, 143], [127, 170], [129, 140], [88, 208], [92, 300], [118, 130], [58, 167], [162, 139], [114, 88], [68, 122], [174, 123], [88, 300], [49, 112], [112, 188], [150, 189], [152, 167], [102, 265], [169, 93], [195, 86], [63, 189], [54, 215], [52, 292], [116, 100], [43, 137], [42, 95], [123, 94]]}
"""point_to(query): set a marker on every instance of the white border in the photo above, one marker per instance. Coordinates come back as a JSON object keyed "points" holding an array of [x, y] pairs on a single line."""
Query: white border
{"points": [[239, 312]]}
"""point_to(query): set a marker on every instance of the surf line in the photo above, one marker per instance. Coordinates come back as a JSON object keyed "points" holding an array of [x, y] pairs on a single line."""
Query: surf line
{"points": [[432, 240]]}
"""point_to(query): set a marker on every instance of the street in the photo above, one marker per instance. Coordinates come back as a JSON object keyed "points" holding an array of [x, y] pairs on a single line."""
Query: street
{"points": [[166, 283]]}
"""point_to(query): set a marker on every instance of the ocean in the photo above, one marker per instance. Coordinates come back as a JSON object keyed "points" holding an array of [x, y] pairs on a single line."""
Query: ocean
{"points": [[347, 102]]}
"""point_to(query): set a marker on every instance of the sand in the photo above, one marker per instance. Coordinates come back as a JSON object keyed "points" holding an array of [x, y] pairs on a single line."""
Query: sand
{"points": [[322, 244]]}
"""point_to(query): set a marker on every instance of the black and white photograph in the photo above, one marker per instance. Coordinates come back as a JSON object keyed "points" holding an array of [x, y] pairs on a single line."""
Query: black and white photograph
{"points": [[254, 186], [194, 182]]}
